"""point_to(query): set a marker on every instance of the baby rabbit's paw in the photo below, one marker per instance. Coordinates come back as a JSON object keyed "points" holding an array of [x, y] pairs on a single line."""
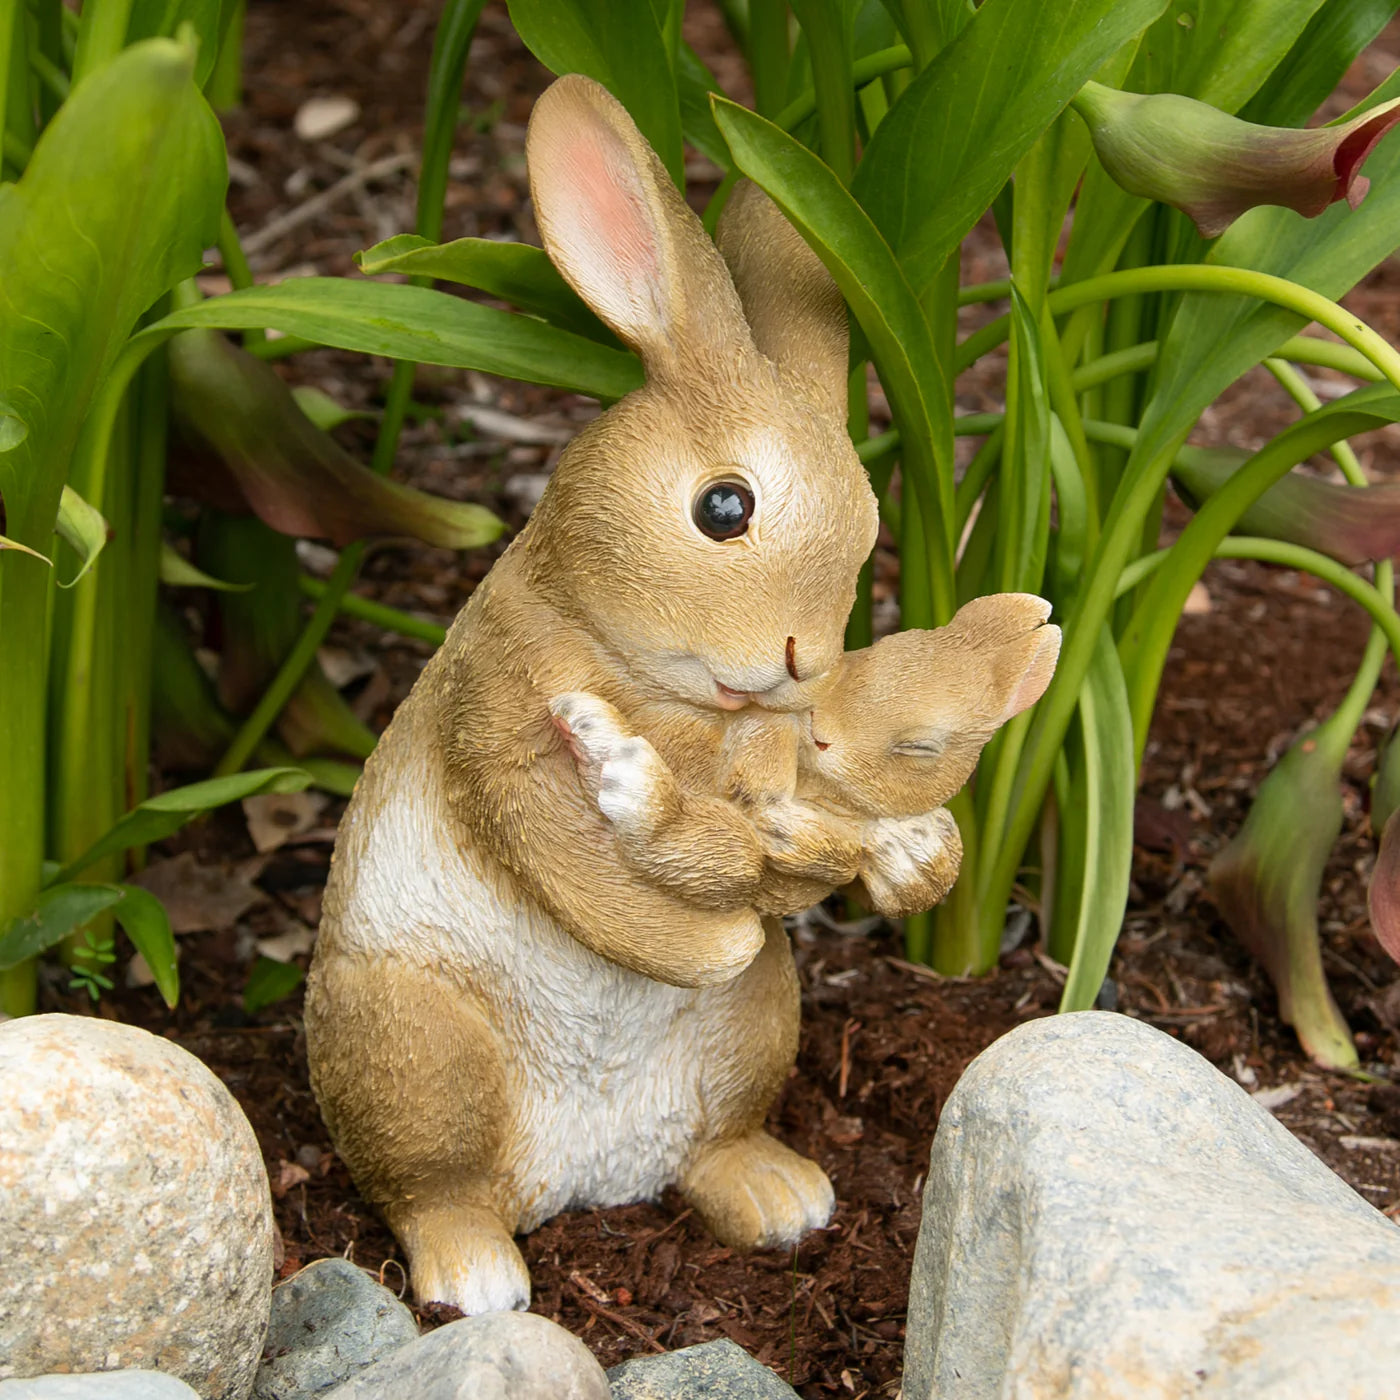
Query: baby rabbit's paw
{"points": [[910, 863], [629, 780], [808, 842]]}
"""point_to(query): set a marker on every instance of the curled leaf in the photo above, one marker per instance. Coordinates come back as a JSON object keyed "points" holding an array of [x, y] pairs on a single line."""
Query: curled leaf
{"points": [[1350, 523], [1215, 167], [295, 477], [177, 572], [1266, 884], [1383, 893], [81, 526], [7, 543]]}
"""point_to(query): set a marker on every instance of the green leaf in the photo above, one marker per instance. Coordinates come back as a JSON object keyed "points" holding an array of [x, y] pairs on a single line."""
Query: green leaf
{"points": [[1221, 56], [619, 43], [118, 202], [147, 925], [516, 272], [1318, 60], [270, 981], [62, 910], [954, 137], [83, 528], [158, 817], [161, 19], [416, 323], [872, 281], [323, 410], [1110, 789], [177, 572], [299, 480], [7, 543], [695, 83]]}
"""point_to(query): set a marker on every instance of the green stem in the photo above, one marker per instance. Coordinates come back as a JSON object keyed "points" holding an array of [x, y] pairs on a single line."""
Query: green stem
{"points": [[50, 74], [450, 47], [1333, 736], [240, 275], [1200, 277], [1288, 556], [829, 49], [768, 53], [863, 70], [1300, 391], [379, 614], [101, 35]]}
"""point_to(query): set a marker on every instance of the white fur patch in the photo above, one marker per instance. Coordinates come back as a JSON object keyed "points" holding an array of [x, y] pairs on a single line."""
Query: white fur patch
{"points": [[607, 1069], [898, 850], [629, 787]]}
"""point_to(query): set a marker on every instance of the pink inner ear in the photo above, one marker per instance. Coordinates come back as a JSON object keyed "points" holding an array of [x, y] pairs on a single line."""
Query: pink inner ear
{"points": [[1038, 673], [603, 233]]}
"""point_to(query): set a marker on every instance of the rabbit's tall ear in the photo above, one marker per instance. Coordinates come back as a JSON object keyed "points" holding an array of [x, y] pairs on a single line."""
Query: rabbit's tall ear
{"points": [[795, 310], [623, 237]]}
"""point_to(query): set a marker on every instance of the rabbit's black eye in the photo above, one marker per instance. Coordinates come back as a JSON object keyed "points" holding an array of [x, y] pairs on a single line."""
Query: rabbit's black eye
{"points": [[723, 509]]}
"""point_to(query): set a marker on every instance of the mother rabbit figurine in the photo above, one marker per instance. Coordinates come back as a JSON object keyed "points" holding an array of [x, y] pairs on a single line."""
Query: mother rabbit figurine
{"points": [[502, 1021]]}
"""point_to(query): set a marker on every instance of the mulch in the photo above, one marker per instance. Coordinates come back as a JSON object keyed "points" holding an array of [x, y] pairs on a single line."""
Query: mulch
{"points": [[883, 1042]]}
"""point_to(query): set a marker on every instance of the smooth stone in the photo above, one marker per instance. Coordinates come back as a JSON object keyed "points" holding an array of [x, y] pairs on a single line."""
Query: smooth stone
{"points": [[135, 1220], [101, 1385], [493, 1356], [1107, 1215], [720, 1370], [328, 1321]]}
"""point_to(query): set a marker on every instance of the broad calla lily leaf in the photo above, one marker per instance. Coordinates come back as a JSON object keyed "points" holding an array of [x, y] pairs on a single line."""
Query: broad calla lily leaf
{"points": [[1266, 884], [1350, 523], [518, 273], [1215, 167], [1383, 893], [177, 572], [295, 477]]}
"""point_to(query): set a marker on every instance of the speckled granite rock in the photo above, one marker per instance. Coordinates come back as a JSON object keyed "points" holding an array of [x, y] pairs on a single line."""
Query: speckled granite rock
{"points": [[102, 1385], [135, 1220], [493, 1356], [328, 1321], [715, 1371], [1108, 1216]]}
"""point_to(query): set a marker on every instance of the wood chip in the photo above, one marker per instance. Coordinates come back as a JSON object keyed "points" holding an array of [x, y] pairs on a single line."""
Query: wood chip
{"points": [[275, 817], [320, 117], [1369, 1144], [1276, 1096]]}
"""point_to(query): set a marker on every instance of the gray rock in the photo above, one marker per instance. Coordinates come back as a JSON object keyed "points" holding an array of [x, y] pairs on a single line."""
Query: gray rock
{"points": [[101, 1385], [328, 1321], [135, 1219], [715, 1371], [494, 1356], [1108, 1216]]}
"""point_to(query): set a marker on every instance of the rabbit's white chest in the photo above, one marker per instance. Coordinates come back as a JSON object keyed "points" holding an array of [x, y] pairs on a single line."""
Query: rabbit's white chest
{"points": [[606, 1065]]}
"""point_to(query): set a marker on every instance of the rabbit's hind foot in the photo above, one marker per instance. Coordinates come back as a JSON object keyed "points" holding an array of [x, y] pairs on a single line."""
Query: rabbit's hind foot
{"points": [[754, 1193], [462, 1255]]}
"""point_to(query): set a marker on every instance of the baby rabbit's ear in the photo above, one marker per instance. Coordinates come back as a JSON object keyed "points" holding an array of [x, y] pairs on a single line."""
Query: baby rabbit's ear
{"points": [[1021, 648], [795, 310], [623, 237]]}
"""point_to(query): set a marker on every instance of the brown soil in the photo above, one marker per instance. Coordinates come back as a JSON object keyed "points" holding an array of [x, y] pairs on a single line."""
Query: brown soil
{"points": [[883, 1042]]}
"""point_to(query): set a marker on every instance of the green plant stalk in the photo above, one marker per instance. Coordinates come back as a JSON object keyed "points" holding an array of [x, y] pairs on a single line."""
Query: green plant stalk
{"points": [[225, 86], [49, 31], [863, 70], [1300, 391], [828, 29], [24, 596], [54, 79], [768, 53], [101, 35], [380, 615], [1121, 539], [240, 275], [450, 48], [1145, 643]]}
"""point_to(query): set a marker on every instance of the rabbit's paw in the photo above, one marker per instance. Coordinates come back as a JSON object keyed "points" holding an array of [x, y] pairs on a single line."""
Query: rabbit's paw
{"points": [[910, 863], [754, 1193], [808, 842], [629, 780], [464, 1256]]}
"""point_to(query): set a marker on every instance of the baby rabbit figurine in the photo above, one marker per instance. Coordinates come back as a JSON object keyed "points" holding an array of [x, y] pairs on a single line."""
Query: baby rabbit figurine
{"points": [[503, 1021], [896, 732]]}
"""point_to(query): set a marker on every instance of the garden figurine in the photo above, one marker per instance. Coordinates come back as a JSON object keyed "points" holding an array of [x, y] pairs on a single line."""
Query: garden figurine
{"points": [[503, 1021]]}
